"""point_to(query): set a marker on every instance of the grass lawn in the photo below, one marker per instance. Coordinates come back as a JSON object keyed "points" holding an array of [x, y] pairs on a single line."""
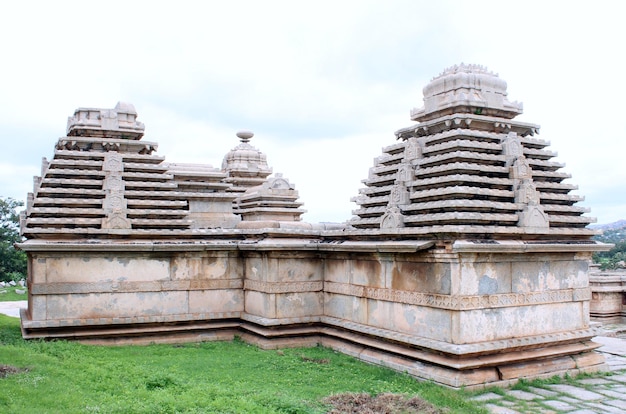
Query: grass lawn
{"points": [[209, 377], [7, 294]]}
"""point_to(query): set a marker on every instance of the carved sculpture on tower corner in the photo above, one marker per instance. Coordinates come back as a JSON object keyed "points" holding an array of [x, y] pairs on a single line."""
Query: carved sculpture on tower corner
{"points": [[531, 214], [392, 219], [114, 204]]}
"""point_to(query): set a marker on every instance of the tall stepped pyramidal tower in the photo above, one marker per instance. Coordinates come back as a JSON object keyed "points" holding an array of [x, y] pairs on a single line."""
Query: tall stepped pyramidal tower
{"points": [[468, 168]]}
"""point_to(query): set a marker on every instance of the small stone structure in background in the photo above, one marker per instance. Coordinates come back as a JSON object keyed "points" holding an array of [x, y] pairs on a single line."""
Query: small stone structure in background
{"points": [[608, 294], [466, 261]]}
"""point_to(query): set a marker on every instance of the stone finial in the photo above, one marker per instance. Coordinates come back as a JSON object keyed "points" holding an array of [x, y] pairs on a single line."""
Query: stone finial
{"points": [[119, 122], [245, 136], [466, 89]]}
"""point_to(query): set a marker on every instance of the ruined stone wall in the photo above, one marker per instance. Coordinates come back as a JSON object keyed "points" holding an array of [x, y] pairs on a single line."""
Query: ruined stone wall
{"points": [[608, 298]]}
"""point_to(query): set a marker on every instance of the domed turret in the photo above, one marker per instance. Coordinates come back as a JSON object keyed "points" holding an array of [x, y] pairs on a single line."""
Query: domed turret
{"points": [[246, 166]]}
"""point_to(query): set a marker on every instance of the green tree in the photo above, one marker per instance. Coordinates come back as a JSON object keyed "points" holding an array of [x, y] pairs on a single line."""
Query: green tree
{"points": [[616, 257], [12, 261]]}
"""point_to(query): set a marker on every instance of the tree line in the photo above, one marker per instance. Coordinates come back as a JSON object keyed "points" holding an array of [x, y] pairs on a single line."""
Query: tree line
{"points": [[12, 260], [616, 257]]}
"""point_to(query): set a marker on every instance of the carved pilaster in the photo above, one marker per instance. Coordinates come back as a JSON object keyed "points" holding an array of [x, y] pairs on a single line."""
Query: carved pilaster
{"points": [[114, 203], [113, 163], [413, 149], [22, 222], [531, 212], [30, 198], [405, 173], [512, 148], [44, 166], [36, 183]]}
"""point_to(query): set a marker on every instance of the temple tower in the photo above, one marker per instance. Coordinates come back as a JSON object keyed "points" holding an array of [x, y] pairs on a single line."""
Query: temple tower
{"points": [[467, 167]]}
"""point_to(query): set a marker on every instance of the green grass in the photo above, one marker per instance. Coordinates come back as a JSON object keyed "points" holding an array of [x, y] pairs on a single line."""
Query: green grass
{"points": [[209, 377], [10, 294]]}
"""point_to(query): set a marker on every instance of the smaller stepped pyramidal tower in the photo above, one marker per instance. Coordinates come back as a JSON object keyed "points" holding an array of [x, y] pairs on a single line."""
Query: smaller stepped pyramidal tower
{"points": [[466, 261]]}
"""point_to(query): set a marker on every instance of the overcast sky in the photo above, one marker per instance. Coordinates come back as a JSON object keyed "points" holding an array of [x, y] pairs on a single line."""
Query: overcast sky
{"points": [[323, 84]]}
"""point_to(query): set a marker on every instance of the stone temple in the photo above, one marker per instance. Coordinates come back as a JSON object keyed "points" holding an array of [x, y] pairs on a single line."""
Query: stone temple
{"points": [[465, 262]]}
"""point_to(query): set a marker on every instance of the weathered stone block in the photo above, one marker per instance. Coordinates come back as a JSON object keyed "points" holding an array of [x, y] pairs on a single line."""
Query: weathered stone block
{"points": [[368, 271], [297, 269], [420, 321], [37, 307], [518, 321], [217, 301], [256, 267], [299, 304], [549, 273], [535, 368], [206, 266], [207, 214], [607, 302], [337, 269], [112, 305], [420, 277], [103, 268], [485, 277], [37, 271], [350, 308], [590, 359], [260, 304]]}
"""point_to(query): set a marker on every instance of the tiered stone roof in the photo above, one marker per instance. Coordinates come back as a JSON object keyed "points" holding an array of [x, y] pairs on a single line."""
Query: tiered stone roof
{"points": [[210, 198], [468, 167], [104, 180], [274, 200], [266, 201]]}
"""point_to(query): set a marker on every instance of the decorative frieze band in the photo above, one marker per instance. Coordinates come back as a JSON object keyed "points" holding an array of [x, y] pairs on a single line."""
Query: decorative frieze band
{"points": [[283, 287], [460, 302], [128, 287]]}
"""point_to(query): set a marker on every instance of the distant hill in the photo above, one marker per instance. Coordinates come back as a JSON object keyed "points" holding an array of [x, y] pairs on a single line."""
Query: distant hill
{"points": [[617, 225]]}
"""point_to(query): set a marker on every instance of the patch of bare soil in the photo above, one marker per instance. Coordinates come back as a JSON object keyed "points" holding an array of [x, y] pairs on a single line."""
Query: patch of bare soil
{"points": [[315, 360], [363, 403], [6, 370]]}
